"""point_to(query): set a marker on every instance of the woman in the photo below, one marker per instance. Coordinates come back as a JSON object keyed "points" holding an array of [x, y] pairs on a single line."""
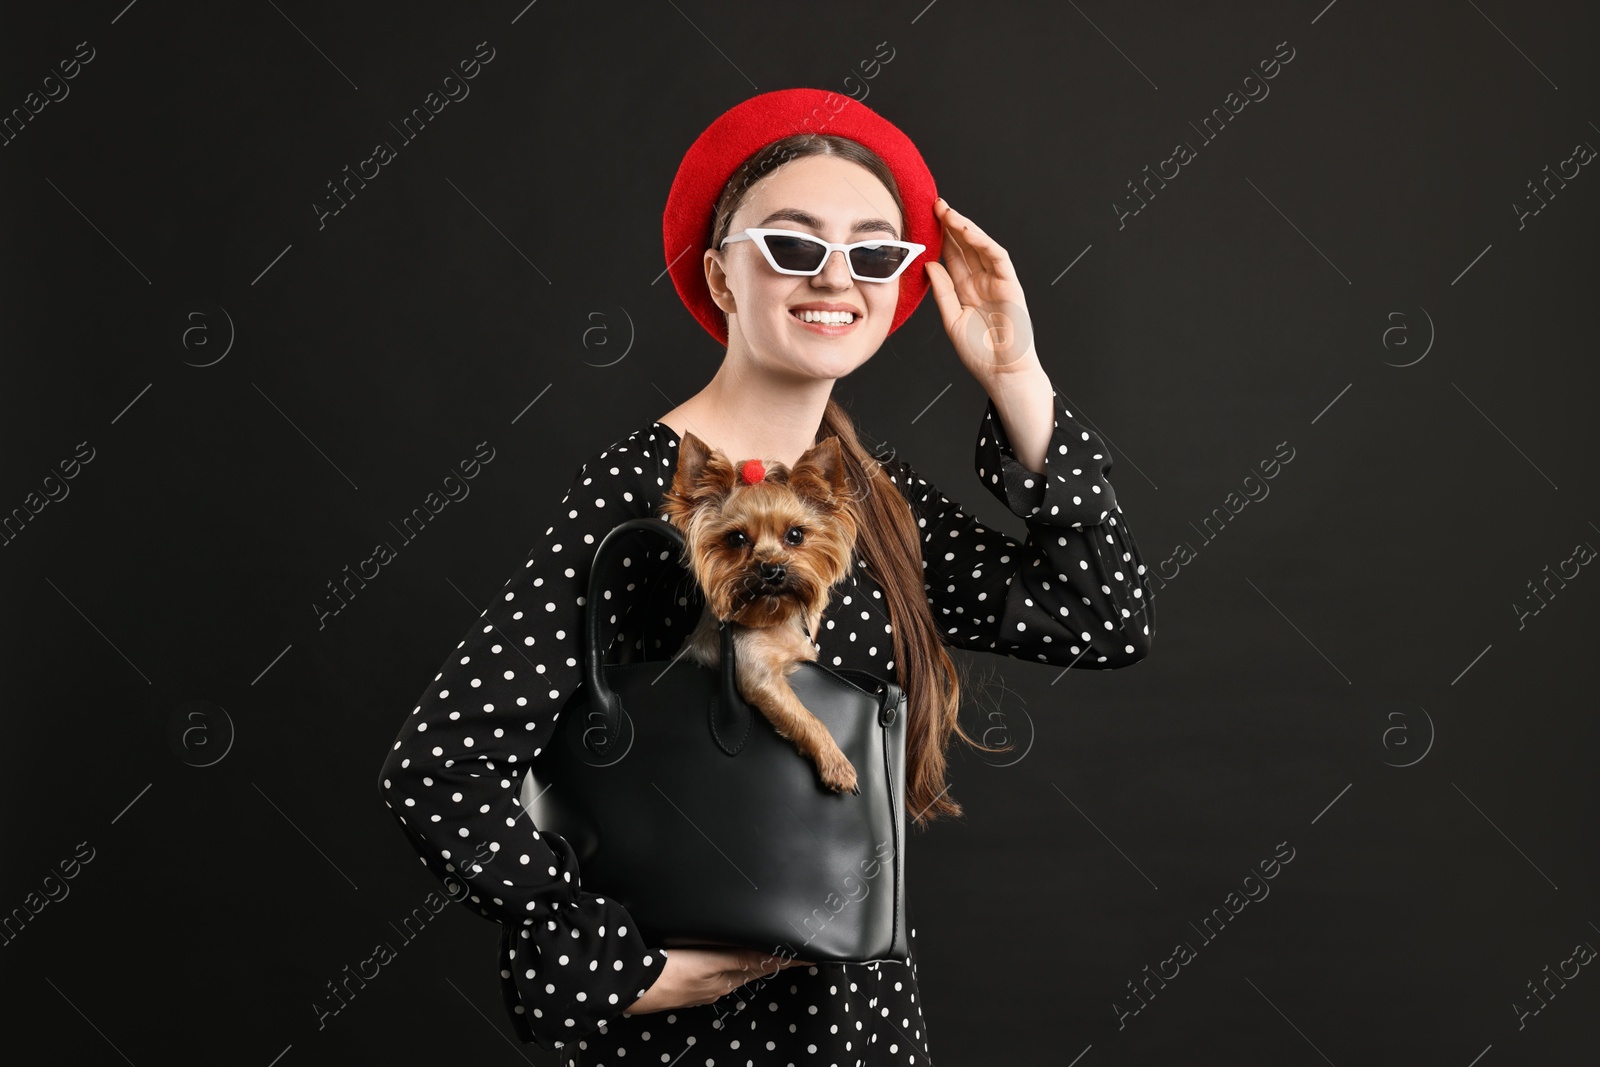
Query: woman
{"points": [[576, 973]]}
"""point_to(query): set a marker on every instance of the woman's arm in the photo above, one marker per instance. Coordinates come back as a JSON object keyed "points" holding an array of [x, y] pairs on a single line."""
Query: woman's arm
{"points": [[1025, 402], [454, 773], [1074, 593]]}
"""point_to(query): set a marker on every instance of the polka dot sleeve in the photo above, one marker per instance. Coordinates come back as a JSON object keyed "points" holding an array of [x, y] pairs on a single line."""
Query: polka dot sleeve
{"points": [[1074, 593], [571, 959]]}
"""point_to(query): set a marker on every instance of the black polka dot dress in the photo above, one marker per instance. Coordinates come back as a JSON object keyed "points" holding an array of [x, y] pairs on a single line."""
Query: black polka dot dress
{"points": [[571, 959]]}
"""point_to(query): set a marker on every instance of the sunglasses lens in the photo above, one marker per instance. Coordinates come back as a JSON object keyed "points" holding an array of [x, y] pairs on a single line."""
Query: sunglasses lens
{"points": [[795, 253], [880, 262]]}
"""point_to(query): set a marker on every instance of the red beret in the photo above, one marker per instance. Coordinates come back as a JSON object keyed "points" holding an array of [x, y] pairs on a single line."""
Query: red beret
{"points": [[746, 128]]}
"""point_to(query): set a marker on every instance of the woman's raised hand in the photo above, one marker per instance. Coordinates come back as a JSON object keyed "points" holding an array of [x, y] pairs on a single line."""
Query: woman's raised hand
{"points": [[980, 300], [696, 976]]}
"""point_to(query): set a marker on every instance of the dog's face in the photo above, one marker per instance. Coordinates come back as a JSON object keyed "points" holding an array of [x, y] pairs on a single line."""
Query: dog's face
{"points": [[763, 552]]}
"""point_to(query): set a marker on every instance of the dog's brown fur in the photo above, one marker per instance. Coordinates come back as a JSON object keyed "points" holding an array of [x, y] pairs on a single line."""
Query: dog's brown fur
{"points": [[738, 538]]}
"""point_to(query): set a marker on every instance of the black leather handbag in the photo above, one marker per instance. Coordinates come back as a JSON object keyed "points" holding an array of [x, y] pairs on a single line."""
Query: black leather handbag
{"points": [[683, 803]]}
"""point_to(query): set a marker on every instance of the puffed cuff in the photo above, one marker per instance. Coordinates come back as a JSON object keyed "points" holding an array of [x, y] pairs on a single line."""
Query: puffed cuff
{"points": [[576, 968], [1072, 490]]}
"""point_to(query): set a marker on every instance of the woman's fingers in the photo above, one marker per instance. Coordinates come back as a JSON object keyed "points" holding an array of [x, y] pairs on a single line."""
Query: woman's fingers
{"points": [[961, 263], [960, 259], [945, 297], [765, 962], [979, 250]]}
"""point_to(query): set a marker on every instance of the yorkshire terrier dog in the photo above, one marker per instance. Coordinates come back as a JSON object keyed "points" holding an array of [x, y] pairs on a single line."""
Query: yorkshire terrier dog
{"points": [[767, 544]]}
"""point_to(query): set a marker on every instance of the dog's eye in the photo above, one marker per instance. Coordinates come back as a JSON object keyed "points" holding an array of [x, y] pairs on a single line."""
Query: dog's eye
{"points": [[796, 535], [737, 539]]}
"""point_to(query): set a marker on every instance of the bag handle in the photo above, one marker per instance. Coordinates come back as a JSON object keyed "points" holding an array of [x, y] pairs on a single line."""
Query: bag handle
{"points": [[731, 717]]}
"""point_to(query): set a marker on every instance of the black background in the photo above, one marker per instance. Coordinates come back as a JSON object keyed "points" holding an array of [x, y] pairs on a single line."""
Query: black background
{"points": [[1340, 667]]}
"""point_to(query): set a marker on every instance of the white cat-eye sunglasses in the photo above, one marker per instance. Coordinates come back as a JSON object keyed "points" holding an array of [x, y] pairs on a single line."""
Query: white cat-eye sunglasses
{"points": [[793, 252]]}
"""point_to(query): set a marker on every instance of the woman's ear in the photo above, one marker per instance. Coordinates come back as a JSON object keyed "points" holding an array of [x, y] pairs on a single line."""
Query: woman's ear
{"points": [[717, 283]]}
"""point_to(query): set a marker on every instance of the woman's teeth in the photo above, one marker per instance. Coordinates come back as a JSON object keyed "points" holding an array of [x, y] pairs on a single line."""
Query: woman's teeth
{"points": [[827, 318]]}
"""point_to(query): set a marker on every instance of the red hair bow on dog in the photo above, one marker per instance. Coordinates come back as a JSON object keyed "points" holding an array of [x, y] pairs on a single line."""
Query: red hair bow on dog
{"points": [[752, 471]]}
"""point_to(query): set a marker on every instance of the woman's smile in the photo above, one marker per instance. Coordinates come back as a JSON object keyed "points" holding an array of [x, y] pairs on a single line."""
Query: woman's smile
{"points": [[829, 320]]}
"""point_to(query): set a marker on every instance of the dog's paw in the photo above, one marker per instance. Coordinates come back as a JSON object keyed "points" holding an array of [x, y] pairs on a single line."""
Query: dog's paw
{"points": [[838, 773]]}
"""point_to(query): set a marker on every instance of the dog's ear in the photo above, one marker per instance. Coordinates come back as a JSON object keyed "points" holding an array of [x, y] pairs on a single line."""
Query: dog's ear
{"points": [[820, 473], [693, 454], [703, 477]]}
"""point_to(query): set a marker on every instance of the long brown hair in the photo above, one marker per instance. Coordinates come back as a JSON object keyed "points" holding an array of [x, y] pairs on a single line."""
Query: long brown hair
{"points": [[889, 540]]}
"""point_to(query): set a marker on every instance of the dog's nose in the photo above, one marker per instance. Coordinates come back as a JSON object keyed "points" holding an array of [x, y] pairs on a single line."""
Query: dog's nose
{"points": [[772, 572]]}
